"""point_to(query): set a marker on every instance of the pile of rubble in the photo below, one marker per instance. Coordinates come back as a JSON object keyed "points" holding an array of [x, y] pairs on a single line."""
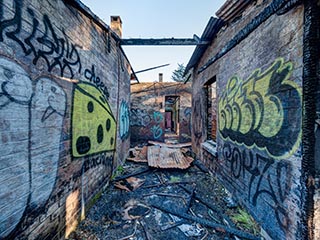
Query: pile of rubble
{"points": [[161, 155]]}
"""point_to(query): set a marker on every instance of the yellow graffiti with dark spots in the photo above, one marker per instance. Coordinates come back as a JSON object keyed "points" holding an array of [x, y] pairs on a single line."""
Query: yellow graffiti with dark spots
{"points": [[263, 111], [93, 124]]}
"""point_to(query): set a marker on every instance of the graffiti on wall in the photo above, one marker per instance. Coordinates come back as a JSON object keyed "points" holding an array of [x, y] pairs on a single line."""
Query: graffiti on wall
{"points": [[32, 112], [156, 129], [42, 43], [187, 112], [187, 119], [256, 112], [260, 123], [93, 123], [90, 74], [30, 120], [139, 117], [45, 46], [267, 178], [48, 110], [149, 124], [95, 161], [124, 120]]}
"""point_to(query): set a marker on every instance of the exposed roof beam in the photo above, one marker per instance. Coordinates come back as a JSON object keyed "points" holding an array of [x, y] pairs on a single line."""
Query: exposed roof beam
{"points": [[163, 41], [152, 68]]}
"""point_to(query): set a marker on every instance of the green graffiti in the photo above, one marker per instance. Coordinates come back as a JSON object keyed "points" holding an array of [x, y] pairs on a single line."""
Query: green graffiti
{"points": [[263, 110]]}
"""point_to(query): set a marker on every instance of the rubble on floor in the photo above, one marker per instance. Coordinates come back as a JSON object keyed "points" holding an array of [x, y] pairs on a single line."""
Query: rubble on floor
{"points": [[162, 155], [154, 204]]}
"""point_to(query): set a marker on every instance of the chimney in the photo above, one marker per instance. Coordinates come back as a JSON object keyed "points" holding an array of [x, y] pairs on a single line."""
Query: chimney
{"points": [[160, 77], [116, 25]]}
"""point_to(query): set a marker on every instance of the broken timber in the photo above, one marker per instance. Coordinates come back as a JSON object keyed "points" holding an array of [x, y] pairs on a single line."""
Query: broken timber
{"points": [[131, 174], [209, 205], [161, 144], [168, 183], [148, 69], [163, 42], [208, 223], [164, 157]]}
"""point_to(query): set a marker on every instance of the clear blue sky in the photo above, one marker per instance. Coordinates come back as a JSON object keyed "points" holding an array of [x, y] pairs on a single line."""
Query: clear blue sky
{"points": [[157, 19]]}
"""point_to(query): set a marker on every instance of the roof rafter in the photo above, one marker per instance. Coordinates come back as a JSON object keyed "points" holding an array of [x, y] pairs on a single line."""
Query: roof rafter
{"points": [[164, 41]]}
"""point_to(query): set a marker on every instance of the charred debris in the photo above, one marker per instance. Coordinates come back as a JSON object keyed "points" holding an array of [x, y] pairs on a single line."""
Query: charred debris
{"points": [[161, 192]]}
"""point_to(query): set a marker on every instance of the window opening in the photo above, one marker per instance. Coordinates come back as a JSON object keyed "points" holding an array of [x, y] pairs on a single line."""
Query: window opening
{"points": [[210, 90]]}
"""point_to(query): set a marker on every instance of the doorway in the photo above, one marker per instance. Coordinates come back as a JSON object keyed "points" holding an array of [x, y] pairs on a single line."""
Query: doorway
{"points": [[172, 106]]}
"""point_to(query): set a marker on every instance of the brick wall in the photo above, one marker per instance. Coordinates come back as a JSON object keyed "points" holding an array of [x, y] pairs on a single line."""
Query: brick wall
{"points": [[259, 87], [63, 115], [147, 119]]}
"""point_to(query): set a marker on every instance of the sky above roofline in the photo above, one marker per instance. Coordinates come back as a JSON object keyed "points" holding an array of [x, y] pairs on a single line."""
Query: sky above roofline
{"points": [[157, 19]]}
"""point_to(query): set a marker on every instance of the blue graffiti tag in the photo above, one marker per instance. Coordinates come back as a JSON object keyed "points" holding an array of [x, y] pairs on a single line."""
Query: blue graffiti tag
{"points": [[157, 116], [156, 129], [124, 120]]}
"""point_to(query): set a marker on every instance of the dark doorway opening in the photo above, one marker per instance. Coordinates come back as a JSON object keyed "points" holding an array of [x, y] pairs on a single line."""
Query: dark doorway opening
{"points": [[172, 106]]}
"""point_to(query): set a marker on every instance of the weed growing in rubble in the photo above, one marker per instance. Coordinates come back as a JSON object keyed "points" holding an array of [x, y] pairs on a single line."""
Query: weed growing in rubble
{"points": [[119, 171], [245, 221]]}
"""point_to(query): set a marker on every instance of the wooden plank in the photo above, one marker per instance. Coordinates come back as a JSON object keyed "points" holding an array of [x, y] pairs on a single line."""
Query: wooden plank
{"points": [[139, 154], [161, 144], [205, 222], [137, 160], [164, 157], [153, 156]]}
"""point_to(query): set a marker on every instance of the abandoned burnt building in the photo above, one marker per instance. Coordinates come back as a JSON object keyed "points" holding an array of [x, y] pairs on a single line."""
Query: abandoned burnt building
{"points": [[159, 110], [250, 108]]}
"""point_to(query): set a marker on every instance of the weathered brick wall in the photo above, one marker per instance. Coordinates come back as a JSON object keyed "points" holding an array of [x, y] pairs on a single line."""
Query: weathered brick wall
{"points": [[259, 85], [147, 119], [209, 160], [63, 115]]}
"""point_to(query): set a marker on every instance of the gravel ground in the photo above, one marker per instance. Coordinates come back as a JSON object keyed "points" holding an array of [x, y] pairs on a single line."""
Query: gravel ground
{"points": [[122, 214]]}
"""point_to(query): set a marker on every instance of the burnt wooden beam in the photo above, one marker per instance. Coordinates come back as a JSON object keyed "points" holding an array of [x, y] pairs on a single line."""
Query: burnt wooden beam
{"points": [[152, 68], [208, 223], [167, 183], [214, 208], [131, 174], [162, 42]]}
